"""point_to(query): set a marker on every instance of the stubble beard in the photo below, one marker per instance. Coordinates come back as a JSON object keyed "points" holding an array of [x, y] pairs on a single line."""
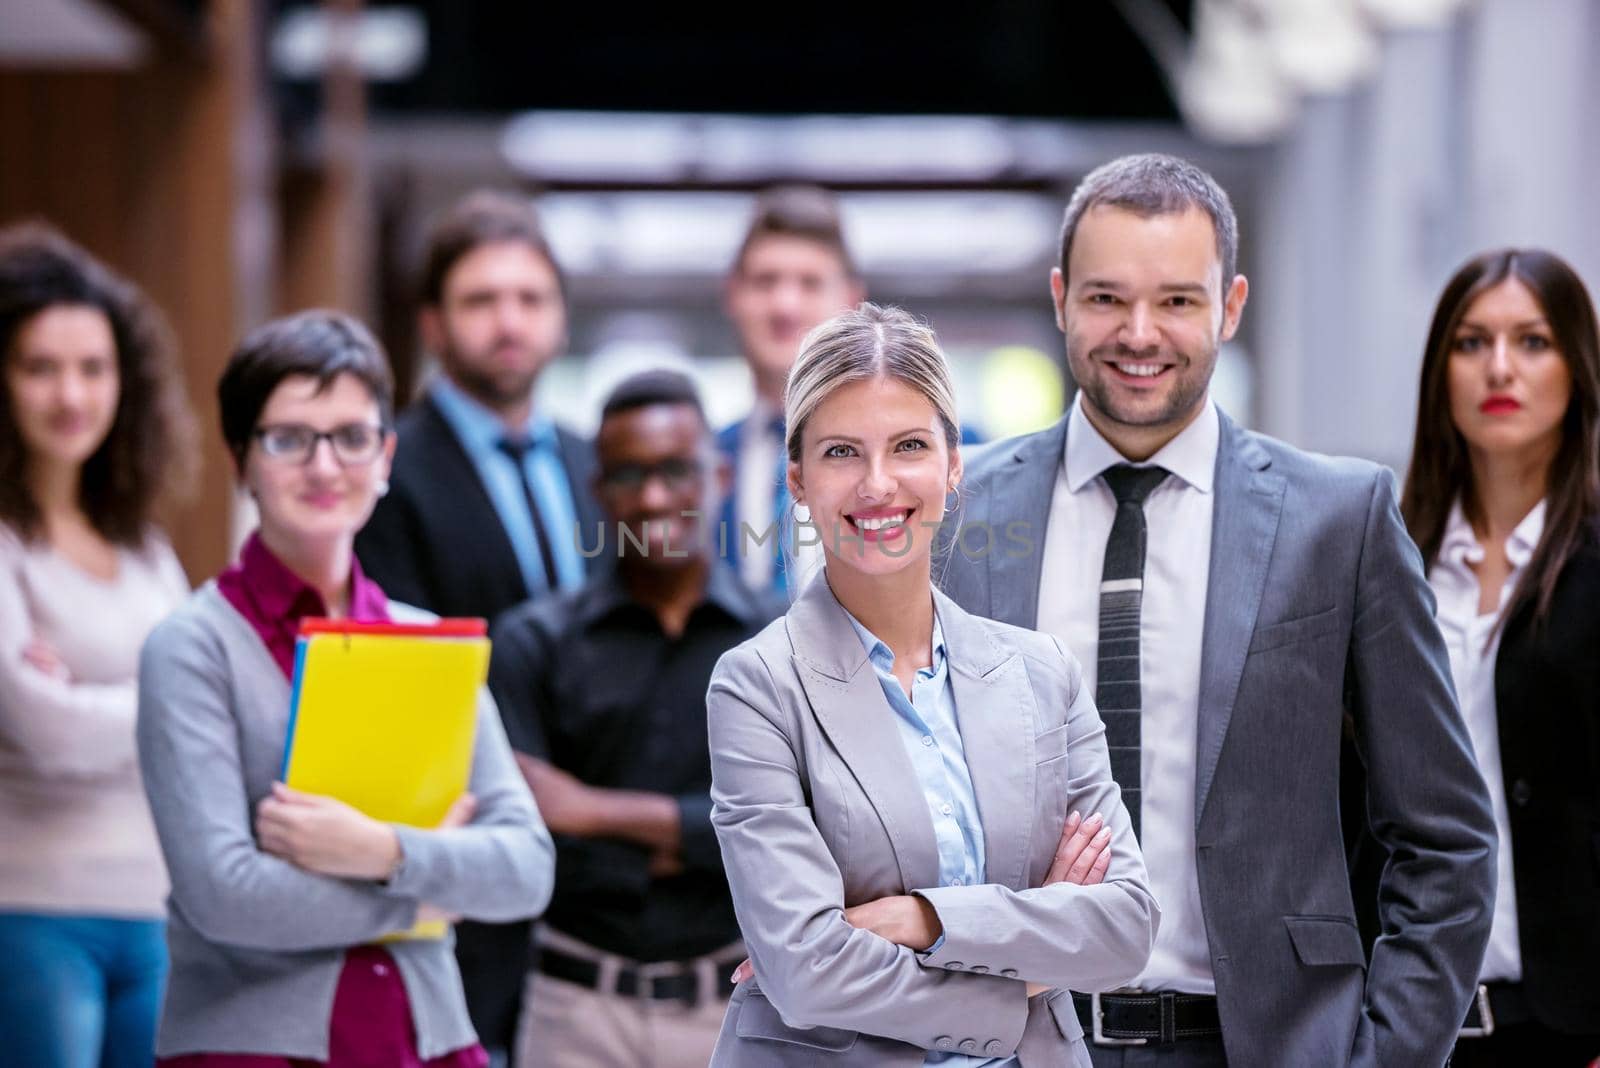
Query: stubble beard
{"points": [[1183, 396], [496, 390]]}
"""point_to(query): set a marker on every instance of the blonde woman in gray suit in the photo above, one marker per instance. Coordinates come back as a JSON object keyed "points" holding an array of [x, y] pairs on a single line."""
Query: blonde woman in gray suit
{"points": [[916, 811]]}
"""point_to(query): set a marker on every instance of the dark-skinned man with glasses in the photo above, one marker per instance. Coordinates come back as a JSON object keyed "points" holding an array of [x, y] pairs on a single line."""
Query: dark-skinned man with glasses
{"points": [[603, 695]]}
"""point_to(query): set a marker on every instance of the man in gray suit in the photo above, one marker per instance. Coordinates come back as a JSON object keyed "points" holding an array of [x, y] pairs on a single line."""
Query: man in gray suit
{"points": [[1231, 599]]}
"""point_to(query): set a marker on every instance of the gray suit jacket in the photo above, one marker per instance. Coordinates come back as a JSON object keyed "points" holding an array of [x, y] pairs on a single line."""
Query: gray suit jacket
{"points": [[1317, 605], [817, 808]]}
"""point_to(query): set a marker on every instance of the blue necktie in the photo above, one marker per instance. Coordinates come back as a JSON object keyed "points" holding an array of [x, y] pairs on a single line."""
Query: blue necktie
{"points": [[518, 449]]}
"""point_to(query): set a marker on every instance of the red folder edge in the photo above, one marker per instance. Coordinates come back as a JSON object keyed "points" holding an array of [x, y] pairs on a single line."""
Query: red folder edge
{"points": [[464, 627]]}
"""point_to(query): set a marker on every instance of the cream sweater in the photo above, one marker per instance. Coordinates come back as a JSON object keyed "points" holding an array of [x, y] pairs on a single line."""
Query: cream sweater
{"points": [[75, 830]]}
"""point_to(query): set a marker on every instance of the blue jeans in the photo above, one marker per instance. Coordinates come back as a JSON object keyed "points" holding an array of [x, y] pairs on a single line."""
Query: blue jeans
{"points": [[80, 991]]}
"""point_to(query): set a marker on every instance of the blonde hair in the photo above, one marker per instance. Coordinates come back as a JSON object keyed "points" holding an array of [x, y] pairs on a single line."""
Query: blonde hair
{"points": [[871, 341]]}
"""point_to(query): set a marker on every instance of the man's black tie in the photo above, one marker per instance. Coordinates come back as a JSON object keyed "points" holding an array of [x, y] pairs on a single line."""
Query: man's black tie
{"points": [[517, 449], [1117, 690]]}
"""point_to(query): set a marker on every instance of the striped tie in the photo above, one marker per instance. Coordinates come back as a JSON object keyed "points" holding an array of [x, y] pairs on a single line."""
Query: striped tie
{"points": [[1117, 691]]}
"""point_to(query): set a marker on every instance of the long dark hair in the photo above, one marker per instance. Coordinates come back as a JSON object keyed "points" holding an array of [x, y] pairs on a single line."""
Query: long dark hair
{"points": [[147, 455], [1439, 469]]}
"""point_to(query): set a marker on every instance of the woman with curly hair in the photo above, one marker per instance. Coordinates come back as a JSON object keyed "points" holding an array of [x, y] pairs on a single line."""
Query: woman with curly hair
{"points": [[93, 425]]}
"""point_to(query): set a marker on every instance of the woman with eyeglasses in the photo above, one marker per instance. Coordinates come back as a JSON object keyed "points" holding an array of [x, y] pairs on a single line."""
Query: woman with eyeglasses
{"points": [[1503, 498], [280, 898], [93, 423]]}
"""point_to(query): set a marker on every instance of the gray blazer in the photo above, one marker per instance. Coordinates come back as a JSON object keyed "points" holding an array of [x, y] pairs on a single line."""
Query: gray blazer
{"points": [[1317, 605], [257, 944], [817, 808]]}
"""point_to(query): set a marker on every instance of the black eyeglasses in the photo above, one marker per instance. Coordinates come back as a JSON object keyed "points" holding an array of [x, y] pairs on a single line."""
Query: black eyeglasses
{"points": [[353, 444], [675, 473]]}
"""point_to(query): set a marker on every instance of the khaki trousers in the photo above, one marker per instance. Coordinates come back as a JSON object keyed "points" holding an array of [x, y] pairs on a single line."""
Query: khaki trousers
{"points": [[565, 1025]]}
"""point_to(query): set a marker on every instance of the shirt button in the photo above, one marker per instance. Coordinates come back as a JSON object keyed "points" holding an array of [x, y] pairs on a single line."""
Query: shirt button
{"points": [[380, 969], [981, 969], [946, 809], [993, 1048], [944, 1042], [956, 881], [954, 965], [1521, 792], [927, 739], [969, 1045], [1009, 973]]}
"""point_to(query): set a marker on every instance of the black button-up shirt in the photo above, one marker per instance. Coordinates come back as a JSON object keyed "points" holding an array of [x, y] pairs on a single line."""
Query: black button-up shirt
{"points": [[589, 682]]}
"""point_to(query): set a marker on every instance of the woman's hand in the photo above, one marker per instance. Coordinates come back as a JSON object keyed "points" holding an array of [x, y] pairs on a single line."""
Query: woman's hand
{"points": [[1082, 857], [42, 656], [904, 919], [1084, 852], [324, 835]]}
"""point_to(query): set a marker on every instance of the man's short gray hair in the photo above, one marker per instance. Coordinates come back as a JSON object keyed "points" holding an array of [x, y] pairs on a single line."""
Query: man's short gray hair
{"points": [[1155, 184]]}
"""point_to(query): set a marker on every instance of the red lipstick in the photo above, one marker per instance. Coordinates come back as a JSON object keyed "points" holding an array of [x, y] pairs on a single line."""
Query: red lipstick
{"points": [[1499, 404]]}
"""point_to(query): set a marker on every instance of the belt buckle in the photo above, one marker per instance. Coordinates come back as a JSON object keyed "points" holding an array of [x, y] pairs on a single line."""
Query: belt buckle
{"points": [[1097, 1018], [667, 969], [1485, 1026]]}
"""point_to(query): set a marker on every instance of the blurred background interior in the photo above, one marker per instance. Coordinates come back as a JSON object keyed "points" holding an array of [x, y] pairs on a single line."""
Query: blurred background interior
{"points": [[241, 160]]}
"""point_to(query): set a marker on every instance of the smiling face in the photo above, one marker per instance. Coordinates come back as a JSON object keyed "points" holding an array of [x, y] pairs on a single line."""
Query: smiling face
{"points": [[317, 501], [1144, 314], [874, 471], [1509, 384], [64, 383]]}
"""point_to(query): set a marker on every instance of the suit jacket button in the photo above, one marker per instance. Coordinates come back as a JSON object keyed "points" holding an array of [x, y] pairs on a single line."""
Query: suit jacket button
{"points": [[981, 969], [1521, 792], [944, 1042], [1009, 973], [993, 1047], [969, 1045], [954, 965]]}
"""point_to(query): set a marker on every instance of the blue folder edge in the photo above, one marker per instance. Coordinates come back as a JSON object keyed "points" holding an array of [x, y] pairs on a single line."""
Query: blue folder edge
{"points": [[294, 704]]}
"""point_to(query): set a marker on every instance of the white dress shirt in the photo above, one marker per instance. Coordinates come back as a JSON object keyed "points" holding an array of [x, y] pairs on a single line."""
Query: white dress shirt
{"points": [[1474, 643], [1171, 625], [755, 502]]}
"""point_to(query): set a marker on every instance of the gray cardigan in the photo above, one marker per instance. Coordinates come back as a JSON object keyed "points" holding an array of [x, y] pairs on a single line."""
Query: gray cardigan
{"points": [[257, 944]]}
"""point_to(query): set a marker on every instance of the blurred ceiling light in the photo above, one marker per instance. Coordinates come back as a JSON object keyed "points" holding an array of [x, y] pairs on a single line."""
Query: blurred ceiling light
{"points": [[384, 44], [1233, 89], [68, 33], [936, 234], [1413, 14], [665, 147], [599, 146], [1321, 46]]}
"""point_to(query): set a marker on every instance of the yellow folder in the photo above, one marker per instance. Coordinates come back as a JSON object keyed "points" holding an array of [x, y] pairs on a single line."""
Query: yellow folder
{"points": [[383, 718]]}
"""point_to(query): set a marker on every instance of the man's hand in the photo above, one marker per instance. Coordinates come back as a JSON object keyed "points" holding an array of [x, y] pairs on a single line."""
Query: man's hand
{"points": [[563, 798], [324, 835]]}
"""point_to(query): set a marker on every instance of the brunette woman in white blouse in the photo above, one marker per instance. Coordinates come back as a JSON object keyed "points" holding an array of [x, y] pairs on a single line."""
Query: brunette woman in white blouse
{"points": [[1502, 498], [92, 422]]}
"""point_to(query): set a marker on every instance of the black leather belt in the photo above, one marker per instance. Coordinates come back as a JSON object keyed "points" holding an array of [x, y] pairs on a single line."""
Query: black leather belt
{"points": [[1495, 1005], [680, 983], [1140, 1018]]}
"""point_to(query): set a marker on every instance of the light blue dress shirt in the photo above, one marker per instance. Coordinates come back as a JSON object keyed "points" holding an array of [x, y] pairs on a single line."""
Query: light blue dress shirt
{"points": [[927, 726], [480, 432]]}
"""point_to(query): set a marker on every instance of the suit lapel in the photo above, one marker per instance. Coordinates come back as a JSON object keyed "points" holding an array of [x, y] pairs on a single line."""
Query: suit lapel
{"points": [[478, 513], [849, 703], [994, 711], [1243, 527], [1020, 492]]}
